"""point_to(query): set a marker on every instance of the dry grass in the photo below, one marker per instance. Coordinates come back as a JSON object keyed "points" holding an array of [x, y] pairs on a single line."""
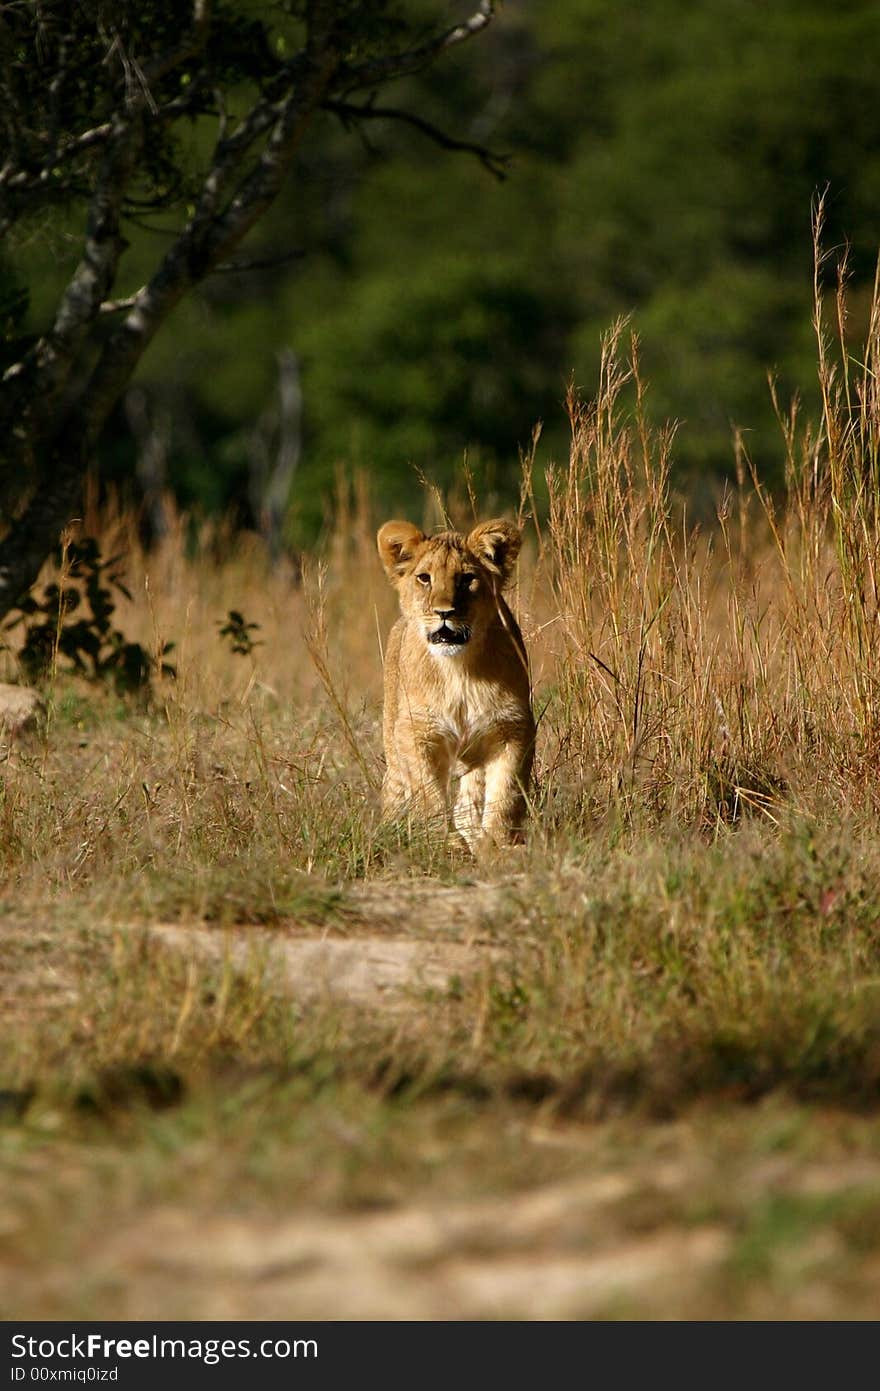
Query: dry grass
{"points": [[690, 931]]}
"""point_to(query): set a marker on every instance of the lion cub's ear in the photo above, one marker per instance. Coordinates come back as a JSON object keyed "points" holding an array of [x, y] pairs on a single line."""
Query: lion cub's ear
{"points": [[496, 544], [398, 542]]}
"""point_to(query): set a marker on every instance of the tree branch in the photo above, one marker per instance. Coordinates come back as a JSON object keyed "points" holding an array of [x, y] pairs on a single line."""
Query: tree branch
{"points": [[350, 112], [22, 184], [32, 385], [21, 187], [258, 263], [378, 70], [205, 243], [42, 375], [119, 306], [190, 45]]}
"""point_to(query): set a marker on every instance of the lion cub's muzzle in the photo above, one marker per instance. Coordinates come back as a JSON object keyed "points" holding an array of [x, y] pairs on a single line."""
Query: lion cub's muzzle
{"points": [[448, 636]]}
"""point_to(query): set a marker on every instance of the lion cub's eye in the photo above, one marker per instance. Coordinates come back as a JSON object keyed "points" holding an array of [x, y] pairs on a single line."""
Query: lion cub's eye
{"points": [[424, 578]]}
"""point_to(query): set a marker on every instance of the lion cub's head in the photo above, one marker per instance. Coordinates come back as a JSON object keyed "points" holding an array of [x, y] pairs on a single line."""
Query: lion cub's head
{"points": [[449, 584]]}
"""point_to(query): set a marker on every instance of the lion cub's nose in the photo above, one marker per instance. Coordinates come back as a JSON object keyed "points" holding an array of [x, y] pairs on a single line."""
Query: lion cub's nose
{"points": [[444, 613]]}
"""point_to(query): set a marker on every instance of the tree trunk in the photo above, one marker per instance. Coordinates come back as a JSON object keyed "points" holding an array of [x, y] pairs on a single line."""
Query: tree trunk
{"points": [[54, 505], [271, 480]]}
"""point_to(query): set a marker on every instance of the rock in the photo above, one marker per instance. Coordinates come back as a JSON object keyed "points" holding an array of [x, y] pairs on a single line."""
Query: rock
{"points": [[21, 710]]}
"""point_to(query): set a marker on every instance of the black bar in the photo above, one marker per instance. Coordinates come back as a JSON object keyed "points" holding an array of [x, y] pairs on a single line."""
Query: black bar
{"points": [[540, 1355]]}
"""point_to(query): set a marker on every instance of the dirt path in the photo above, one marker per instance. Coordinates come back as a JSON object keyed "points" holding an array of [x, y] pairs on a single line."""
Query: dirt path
{"points": [[548, 1254], [448, 937], [610, 1244], [649, 1227]]}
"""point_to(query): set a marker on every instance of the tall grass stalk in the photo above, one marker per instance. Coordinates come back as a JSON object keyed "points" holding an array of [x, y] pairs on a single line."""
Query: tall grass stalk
{"points": [[706, 676]]}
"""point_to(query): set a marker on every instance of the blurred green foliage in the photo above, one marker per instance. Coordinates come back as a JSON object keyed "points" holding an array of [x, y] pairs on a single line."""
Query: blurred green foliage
{"points": [[664, 158]]}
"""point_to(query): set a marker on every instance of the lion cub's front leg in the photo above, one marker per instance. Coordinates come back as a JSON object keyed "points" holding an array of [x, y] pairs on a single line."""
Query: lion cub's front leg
{"points": [[417, 774], [470, 800], [506, 785]]}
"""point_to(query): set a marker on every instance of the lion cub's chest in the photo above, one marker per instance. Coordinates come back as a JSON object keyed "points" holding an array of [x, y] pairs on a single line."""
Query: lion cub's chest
{"points": [[466, 721]]}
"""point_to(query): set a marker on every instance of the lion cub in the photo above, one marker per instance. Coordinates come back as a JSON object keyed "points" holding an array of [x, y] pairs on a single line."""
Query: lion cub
{"points": [[458, 728]]}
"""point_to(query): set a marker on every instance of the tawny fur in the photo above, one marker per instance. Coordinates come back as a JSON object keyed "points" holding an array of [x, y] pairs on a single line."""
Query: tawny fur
{"points": [[458, 728]]}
